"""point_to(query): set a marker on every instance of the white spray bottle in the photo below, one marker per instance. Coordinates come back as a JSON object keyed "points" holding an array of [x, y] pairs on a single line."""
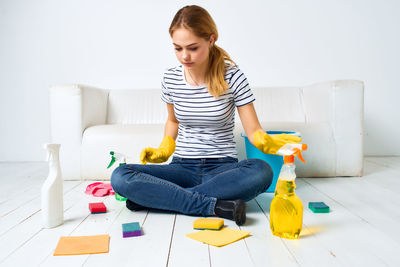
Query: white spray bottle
{"points": [[52, 190]]}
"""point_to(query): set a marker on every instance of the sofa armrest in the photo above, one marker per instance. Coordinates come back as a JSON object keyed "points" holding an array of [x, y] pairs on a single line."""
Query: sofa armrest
{"points": [[348, 125], [73, 108], [330, 117], [341, 103]]}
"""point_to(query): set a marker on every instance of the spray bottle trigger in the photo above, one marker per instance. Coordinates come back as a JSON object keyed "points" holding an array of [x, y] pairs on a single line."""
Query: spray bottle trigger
{"points": [[112, 159], [111, 162], [298, 153]]}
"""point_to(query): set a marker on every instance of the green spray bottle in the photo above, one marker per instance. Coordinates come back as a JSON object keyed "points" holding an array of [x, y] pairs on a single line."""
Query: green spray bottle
{"points": [[121, 158]]}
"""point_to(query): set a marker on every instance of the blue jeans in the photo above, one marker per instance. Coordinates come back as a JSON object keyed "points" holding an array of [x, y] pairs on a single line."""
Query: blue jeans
{"points": [[192, 186]]}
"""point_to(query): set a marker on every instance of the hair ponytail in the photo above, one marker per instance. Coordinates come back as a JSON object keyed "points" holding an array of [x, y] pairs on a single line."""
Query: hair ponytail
{"points": [[199, 21], [217, 67]]}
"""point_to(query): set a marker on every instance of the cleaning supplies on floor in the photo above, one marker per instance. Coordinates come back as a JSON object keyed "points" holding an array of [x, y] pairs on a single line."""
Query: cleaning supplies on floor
{"points": [[218, 238], [52, 190], [286, 211], [131, 229], [318, 207], [208, 223], [78, 245], [97, 207], [99, 189]]}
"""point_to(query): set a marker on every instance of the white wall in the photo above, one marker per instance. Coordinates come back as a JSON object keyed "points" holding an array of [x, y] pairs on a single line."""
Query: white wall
{"points": [[125, 44]]}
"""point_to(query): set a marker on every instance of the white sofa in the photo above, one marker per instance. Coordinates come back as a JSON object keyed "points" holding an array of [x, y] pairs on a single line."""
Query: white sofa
{"points": [[89, 123]]}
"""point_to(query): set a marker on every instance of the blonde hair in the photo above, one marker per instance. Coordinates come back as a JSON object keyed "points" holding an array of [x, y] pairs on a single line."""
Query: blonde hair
{"points": [[199, 21]]}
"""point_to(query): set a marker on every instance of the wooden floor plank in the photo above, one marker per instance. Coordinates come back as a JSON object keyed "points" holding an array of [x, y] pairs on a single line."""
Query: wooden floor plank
{"points": [[382, 177], [185, 251], [150, 249], [264, 248], [235, 254], [91, 224], [42, 245], [20, 177], [392, 163], [352, 240], [307, 251], [25, 192], [25, 231], [376, 205], [31, 204], [361, 230], [123, 251]]}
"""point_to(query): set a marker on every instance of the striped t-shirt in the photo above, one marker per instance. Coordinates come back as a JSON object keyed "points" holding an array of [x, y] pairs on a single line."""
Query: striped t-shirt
{"points": [[206, 123]]}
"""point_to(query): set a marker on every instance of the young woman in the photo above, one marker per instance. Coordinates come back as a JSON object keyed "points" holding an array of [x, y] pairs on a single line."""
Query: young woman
{"points": [[204, 176]]}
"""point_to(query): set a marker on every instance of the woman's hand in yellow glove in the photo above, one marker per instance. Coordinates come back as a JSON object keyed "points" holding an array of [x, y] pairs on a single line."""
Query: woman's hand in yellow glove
{"points": [[270, 144], [160, 154]]}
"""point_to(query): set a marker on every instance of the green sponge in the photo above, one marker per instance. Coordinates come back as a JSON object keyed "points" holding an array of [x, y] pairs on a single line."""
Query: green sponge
{"points": [[318, 207]]}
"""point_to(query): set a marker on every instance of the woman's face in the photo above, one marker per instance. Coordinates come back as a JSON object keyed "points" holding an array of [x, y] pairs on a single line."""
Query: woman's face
{"points": [[191, 51]]}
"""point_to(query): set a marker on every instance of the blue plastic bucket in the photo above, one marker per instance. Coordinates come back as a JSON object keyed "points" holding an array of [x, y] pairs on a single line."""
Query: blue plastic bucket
{"points": [[275, 161]]}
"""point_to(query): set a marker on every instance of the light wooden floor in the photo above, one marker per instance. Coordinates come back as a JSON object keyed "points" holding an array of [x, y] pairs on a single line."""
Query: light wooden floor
{"points": [[362, 228]]}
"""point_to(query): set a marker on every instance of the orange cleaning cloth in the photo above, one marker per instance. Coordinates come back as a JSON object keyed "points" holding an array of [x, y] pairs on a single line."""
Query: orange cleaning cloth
{"points": [[78, 245]]}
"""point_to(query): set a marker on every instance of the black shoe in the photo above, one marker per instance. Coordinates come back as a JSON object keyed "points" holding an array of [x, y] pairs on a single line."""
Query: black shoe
{"points": [[234, 210], [133, 206]]}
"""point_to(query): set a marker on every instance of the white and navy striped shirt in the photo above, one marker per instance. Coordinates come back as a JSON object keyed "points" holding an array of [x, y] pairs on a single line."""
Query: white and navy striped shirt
{"points": [[206, 123]]}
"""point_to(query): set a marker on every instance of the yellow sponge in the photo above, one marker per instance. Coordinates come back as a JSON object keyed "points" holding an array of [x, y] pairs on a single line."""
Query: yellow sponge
{"points": [[210, 224]]}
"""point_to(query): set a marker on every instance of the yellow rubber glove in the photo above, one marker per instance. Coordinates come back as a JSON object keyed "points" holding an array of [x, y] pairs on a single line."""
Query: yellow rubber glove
{"points": [[270, 144], [160, 154]]}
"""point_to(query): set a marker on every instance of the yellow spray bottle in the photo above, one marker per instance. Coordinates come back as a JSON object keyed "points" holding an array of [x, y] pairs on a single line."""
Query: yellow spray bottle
{"points": [[286, 211]]}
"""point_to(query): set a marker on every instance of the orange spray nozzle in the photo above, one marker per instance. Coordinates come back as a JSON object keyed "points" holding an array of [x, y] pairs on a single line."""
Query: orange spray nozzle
{"points": [[297, 152], [288, 159], [289, 151]]}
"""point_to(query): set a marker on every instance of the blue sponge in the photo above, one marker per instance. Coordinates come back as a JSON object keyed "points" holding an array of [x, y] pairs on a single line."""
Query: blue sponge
{"points": [[131, 229]]}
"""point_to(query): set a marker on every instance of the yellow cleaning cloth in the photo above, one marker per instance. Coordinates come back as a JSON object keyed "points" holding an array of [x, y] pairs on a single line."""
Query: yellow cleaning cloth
{"points": [[208, 223], [77, 245], [218, 238]]}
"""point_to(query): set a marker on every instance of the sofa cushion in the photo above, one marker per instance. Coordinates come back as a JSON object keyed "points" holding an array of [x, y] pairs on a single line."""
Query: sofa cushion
{"points": [[139, 106], [129, 140], [279, 104]]}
